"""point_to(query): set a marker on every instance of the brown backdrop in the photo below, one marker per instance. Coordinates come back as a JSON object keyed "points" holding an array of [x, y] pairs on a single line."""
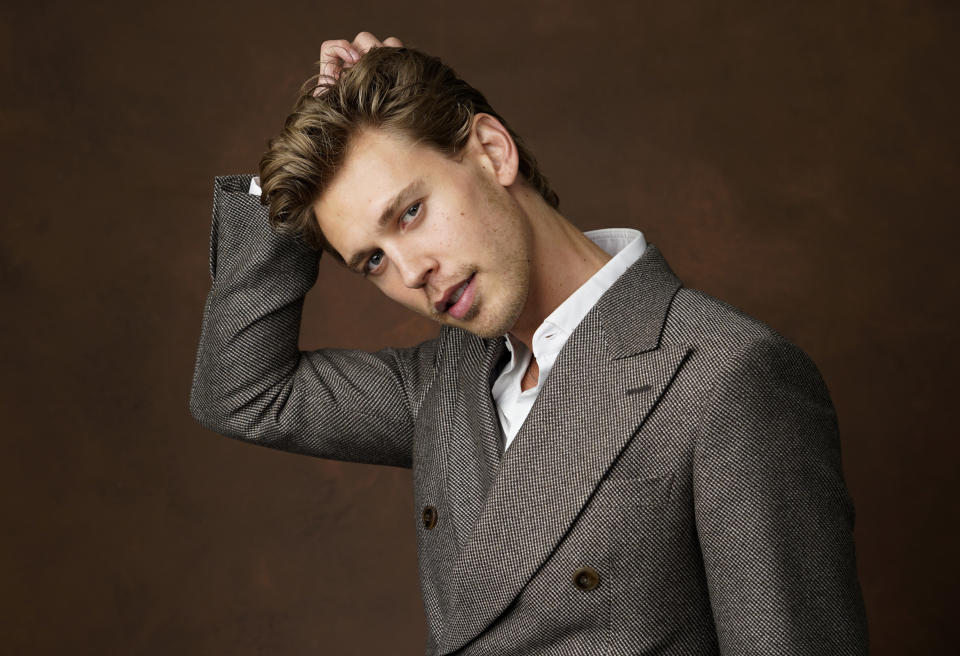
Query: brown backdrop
{"points": [[799, 162]]}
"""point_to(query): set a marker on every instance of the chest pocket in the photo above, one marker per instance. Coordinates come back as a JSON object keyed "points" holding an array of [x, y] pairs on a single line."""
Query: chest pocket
{"points": [[642, 492]]}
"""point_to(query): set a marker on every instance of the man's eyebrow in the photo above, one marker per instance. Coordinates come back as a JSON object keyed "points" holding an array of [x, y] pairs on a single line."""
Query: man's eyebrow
{"points": [[391, 210]]}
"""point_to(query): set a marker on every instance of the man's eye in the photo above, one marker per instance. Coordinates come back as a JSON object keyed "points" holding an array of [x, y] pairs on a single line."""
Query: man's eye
{"points": [[410, 214], [373, 262]]}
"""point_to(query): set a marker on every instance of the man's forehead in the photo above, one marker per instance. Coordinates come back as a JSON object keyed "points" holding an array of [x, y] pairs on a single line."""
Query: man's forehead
{"points": [[379, 145], [376, 166]]}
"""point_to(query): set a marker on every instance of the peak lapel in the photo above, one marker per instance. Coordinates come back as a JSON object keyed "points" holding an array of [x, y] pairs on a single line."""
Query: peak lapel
{"points": [[586, 413]]}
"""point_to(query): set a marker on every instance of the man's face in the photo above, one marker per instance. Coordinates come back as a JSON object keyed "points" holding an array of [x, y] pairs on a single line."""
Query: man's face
{"points": [[444, 238]]}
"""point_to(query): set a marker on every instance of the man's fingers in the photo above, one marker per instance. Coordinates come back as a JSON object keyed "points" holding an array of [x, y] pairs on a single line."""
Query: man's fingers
{"points": [[322, 83], [338, 54], [364, 41], [330, 48], [335, 55], [338, 58]]}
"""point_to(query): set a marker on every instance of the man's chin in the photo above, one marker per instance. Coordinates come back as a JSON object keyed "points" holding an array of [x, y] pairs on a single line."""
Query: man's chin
{"points": [[470, 323], [473, 323], [483, 333]]}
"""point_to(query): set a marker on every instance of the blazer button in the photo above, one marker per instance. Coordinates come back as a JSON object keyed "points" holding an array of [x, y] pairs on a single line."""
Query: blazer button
{"points": [[429, 517], [586, 578]]}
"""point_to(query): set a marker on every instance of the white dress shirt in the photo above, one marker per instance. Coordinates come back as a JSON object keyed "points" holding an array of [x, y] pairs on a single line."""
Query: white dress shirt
{"points": [[625, 245]]}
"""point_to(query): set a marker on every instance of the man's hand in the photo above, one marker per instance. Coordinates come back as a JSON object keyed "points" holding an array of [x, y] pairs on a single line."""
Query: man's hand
{"points": [[338, 54]]}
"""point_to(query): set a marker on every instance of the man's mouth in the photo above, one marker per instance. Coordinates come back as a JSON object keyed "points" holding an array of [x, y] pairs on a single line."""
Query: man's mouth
{"points": [[456, 303], [457, 294]]}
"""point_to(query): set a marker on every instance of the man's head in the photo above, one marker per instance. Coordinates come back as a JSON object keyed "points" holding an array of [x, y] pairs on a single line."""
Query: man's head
{"points": [[400, 132]]}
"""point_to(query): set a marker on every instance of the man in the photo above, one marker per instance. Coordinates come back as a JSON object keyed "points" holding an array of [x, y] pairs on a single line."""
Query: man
{"points": [[604, 460]]}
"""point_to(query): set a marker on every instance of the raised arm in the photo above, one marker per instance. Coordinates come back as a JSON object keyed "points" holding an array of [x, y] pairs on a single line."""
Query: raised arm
{"points": [[773, 514], [252, 382]]}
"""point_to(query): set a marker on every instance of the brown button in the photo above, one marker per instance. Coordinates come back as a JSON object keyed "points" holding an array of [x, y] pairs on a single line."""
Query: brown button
{"points": [[429, 517], [586, 578]]}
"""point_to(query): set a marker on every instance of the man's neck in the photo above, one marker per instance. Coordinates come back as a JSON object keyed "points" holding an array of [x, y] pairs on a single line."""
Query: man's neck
{"points": [[563, 258]]}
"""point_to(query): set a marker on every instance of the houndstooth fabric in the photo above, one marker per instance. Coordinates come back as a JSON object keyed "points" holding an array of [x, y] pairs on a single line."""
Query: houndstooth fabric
{"points": [[681, 449]]}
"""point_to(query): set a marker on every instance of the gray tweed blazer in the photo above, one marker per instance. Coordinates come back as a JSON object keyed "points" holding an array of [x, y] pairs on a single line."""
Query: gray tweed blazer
{"points": [[676, 488]]}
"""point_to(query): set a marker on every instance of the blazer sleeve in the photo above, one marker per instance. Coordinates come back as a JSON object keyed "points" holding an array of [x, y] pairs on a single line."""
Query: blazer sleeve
{"points": [[251, 381], [773, 515]]}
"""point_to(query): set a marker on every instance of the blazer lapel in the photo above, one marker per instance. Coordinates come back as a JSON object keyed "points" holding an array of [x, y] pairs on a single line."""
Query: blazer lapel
{"points": [[474, 456], [605, 381]]}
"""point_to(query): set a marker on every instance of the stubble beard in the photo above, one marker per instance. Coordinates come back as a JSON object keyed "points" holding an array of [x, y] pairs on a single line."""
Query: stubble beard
{"points": [[516, 276], [498, 320]]}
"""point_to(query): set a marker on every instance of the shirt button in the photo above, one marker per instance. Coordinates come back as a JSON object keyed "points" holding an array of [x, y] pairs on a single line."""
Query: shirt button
{"points": [[429, 517], [586, 578]]}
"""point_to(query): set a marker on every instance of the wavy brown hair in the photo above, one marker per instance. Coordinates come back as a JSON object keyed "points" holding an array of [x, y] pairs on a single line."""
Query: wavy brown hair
{"points": [[401, 90]]}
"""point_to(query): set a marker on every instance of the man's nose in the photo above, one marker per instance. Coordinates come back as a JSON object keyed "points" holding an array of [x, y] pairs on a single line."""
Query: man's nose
{"points": [[415, 269]]}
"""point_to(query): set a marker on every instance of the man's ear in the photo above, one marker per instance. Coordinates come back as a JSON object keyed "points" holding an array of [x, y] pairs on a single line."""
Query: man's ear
{"points": [[496, 148]]}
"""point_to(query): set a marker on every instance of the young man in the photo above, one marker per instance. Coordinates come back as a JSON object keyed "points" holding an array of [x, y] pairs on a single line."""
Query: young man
{"points": [[604, 460]]}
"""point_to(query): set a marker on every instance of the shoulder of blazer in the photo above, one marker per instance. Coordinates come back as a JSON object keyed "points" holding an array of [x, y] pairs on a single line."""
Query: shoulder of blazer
{"points": [[707, 322]]}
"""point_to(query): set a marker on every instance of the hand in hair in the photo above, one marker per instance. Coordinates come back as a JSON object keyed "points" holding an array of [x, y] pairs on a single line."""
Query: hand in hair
{"points": [[338, 54]]}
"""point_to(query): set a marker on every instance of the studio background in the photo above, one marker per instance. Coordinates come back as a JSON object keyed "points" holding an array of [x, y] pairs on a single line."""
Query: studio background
{"points": [[798, 160]]}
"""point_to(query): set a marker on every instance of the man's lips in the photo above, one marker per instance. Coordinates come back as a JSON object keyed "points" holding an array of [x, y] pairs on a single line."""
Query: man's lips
{"points": [[444, 303], [464, 300]]}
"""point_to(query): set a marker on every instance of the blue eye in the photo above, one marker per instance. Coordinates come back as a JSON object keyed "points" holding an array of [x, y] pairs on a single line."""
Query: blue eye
{"points": [[373, 262], [403, 219]]}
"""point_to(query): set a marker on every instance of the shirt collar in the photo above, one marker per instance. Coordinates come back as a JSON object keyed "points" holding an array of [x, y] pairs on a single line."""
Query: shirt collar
{"points": [[625, 245]]}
